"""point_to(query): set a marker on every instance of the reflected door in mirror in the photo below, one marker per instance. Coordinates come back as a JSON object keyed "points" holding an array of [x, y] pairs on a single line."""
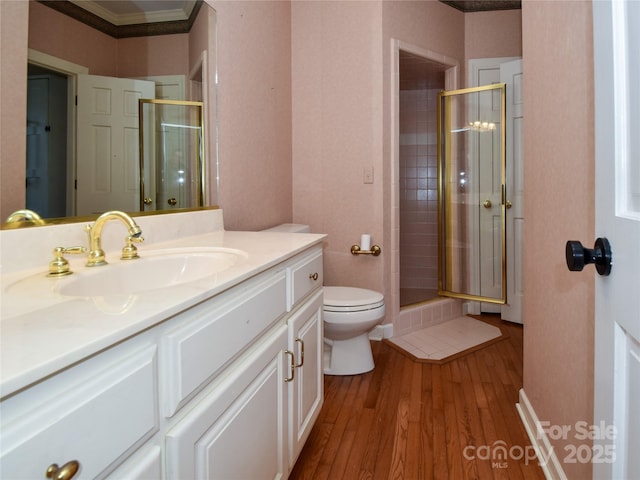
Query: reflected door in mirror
{"points": [[46, 167], [108, 150]]}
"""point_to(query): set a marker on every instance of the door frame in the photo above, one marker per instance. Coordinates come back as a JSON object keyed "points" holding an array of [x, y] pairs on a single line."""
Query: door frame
{"points": [[451, 82]]}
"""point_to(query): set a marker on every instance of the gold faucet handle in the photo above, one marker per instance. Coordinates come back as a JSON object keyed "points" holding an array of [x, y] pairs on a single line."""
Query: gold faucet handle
{"points": [[59, 266], [130, 251]]}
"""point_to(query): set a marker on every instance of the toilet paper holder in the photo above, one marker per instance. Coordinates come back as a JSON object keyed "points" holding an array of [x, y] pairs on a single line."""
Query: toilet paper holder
{"points": [[375, 250]]}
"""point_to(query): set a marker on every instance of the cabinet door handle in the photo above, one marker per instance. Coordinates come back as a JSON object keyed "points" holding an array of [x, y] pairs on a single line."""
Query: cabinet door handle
{"points": [[301, 342], [292, 363], [313, 276], [65, 472]]}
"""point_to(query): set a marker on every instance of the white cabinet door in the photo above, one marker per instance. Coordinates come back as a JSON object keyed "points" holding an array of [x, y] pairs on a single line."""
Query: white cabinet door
{"points": [[97, 413], [145, 464], [238, 431], [306, 390]]}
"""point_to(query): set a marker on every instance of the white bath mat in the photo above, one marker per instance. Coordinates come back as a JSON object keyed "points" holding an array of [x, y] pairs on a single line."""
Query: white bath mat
{"points": [[446, 339]]}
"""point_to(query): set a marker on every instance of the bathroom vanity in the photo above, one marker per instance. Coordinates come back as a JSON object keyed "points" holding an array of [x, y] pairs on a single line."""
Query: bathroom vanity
{"points": [[217, 377]]}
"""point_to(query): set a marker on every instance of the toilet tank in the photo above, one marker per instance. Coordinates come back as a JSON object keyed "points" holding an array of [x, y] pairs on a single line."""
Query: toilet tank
{"points": [[290, 228]]}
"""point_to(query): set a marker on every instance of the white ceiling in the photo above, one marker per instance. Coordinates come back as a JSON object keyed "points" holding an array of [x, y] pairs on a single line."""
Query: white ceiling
{"points": [[131, 12]]}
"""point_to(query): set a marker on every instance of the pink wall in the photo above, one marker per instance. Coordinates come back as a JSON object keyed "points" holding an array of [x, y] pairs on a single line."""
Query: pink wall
{"points": [[59, 35], [558, 306], [13, 98], [156, 55], [337, 132], [493, 34], [254, 112], [56, 34]]}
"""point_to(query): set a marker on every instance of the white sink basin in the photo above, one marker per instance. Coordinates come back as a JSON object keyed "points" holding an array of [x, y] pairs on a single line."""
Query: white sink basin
{"points": [[154, 270]]}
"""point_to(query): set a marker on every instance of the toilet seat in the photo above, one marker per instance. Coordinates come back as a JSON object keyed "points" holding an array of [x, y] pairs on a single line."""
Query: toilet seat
{"points": [[351, 299]]}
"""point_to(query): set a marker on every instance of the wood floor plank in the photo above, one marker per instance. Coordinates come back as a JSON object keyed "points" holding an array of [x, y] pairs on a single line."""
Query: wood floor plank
{"points": [[412, 421], [426, 446], [380, 441], [454, 459], [338, 441], [389, 420], [353, 467]]}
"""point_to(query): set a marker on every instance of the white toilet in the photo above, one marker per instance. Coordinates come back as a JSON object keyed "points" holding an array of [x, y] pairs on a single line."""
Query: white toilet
{"points": [[349, 315]]}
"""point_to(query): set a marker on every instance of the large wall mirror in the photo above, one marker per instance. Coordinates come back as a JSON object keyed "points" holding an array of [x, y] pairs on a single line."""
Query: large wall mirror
{"points": [[169, 44]]}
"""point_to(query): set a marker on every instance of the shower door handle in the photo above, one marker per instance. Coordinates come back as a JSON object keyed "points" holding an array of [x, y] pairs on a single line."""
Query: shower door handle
{"points": [[578, 256]]}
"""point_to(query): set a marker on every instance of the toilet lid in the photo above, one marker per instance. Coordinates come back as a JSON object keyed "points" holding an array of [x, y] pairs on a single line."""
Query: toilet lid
{"points": [[351, 299]]}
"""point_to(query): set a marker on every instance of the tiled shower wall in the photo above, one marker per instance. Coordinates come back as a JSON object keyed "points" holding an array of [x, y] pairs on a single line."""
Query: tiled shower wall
{"points": [[418, 189]]}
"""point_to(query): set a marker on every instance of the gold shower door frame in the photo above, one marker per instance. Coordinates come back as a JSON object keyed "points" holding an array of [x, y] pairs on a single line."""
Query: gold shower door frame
{"points": [[462, 122], [155, 168]]}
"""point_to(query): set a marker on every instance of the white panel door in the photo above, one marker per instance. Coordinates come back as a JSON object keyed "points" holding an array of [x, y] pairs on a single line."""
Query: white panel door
{"points": [[108, 170], [487, 155], [617, 297], [511, 75], [486, 71]]}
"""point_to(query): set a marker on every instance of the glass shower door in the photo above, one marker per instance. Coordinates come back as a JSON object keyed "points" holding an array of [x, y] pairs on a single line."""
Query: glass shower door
{"points": [[171, 154], [471, 193]]}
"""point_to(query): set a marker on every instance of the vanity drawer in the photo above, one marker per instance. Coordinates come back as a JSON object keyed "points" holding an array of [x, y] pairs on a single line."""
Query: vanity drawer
{"points": [[96, 413], [304, 276], [215, 333]]}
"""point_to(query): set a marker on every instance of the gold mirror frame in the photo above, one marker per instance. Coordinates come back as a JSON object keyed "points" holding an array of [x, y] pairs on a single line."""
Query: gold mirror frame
{"points": [[457, 253]]}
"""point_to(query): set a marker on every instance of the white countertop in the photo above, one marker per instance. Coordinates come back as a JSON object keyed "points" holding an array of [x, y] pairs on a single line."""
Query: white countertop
{"points": [[42, 333]]}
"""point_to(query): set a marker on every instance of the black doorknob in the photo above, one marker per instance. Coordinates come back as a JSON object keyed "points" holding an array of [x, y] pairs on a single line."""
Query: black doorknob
{"points": [[578, 256]]}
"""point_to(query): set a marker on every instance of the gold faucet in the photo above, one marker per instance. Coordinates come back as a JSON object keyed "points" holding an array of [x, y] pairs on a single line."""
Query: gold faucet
{"points": [[96, 254], [25, 215]]}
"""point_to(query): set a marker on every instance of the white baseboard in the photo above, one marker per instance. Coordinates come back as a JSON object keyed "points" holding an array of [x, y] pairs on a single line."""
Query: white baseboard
{"points": [[547, 458], [381, 331]]}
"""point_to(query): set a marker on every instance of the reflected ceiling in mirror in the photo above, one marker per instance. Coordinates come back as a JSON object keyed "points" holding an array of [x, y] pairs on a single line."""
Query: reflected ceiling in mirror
{"points": [[123, 18]]}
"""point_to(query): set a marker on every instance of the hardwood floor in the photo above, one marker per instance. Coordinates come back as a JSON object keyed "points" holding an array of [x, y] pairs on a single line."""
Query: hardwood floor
{"points": [[409, 421]]}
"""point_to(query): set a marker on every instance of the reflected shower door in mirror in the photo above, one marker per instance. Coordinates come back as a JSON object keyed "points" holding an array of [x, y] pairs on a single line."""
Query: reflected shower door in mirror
{"points": [[172, 167], [471, 193]]}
